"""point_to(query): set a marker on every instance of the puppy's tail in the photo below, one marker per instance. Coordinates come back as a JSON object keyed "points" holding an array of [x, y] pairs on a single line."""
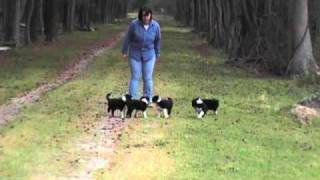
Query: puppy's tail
{"points": [[108, 96], [170, 99]]}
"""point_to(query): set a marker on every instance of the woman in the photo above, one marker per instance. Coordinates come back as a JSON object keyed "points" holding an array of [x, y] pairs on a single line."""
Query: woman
{"points": [[143, 43]]}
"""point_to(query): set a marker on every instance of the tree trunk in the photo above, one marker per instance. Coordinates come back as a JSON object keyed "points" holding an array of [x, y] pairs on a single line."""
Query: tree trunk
{"points": [[12, 22], [1, 20], [314, 14], [303, 61], [84, 15], [51, 19], [36, 25], [68, 15], [29, 12]]}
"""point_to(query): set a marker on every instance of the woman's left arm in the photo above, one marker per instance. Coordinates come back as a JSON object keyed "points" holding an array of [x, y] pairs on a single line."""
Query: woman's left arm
{"points": [[157, 42]]}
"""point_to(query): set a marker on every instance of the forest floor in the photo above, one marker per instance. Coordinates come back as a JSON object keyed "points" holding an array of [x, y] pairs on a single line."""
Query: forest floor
{"points": [[66, 133]]}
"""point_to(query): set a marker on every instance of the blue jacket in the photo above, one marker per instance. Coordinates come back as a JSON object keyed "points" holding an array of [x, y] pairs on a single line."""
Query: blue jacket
{"points": [[142, 44]]}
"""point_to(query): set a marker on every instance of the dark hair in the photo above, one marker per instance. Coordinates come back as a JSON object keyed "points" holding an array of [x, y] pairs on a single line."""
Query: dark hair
{"points": [[144, 11]]}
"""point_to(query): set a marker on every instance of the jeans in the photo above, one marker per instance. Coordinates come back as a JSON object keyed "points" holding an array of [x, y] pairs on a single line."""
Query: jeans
{"points": [[144, 69]]}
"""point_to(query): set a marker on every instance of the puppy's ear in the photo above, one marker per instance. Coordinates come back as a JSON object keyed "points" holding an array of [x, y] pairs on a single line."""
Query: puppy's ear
{"points": [[126, 98], [154, 99]]}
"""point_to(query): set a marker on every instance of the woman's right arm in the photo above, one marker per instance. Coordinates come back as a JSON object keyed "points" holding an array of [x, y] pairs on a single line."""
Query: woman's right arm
{"points": [[127, 40]]}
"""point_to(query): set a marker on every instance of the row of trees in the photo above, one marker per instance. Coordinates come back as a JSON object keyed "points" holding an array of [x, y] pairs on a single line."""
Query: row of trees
{"points": [[278, 33], [136, 4], [24, 21], [167, 7]]}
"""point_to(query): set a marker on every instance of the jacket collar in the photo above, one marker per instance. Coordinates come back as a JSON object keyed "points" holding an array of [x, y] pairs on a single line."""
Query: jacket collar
{"points": [[151, 23]]}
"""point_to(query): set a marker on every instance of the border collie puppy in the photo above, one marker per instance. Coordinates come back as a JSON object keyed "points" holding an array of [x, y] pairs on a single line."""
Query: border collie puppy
{"points": [[163, 105], [117, 104], [202, 106], [137, 105]]}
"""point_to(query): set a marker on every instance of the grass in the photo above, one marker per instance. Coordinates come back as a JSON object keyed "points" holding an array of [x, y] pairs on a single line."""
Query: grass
{"points": [[24, 68], [253, 137], [42, 136]]}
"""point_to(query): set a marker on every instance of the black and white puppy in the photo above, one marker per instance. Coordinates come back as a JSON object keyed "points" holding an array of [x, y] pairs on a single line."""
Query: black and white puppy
{"points": [[117, 104], [163, 105], [202, 106], [137, 105]]}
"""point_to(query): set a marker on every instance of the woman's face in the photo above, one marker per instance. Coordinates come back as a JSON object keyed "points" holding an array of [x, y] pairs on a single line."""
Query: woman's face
{"points": [[146, 18]]}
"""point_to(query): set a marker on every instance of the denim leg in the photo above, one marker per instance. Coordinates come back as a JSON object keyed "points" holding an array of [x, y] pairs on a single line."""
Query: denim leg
{"points": [[147, 73], [136, 69]]}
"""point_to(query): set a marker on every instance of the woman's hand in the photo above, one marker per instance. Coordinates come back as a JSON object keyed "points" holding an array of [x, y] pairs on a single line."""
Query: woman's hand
{"points": [[124, 56]]}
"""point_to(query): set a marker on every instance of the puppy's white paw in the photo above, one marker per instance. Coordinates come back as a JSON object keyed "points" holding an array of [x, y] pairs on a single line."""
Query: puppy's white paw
{"points": [[165, 112], [145, 115], [200, 115]]}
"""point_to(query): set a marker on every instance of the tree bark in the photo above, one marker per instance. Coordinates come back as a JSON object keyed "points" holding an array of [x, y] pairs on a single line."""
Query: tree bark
{"points": [[12, 22], [51, 18], [29, 12], [69, 15], [36, 24], [84, 14], [303, 62], [314, 14]]}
